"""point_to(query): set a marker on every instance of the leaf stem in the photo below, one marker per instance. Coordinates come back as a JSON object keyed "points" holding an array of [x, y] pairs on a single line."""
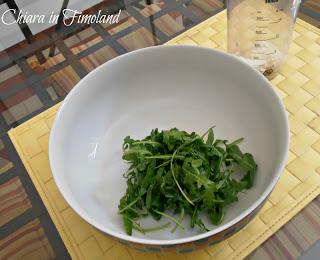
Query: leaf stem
{"points": [[180, 220], [163, 164], [207, 131], [129, 205], [146, 142], [137, 226], [179, 187], [164, 156], [236, 142], [172, 171], [156, 228], [169, 217]]}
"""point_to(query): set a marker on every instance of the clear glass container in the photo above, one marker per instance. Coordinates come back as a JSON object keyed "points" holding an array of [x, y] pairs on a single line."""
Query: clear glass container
{"points": [[260, 31]]}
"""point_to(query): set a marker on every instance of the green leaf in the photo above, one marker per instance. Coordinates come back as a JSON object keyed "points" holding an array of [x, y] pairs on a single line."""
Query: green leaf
{"points": [[249, 177], [209, 197], [127, 142], [196, 163], [134, 154], [176, 171], [149, 177], [244, 160], [210, 138], [149, 197], [237, 142], [127, 224], [216, 214]]}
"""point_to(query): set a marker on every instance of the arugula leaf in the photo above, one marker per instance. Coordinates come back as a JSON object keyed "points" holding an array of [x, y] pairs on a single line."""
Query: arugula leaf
{"points": [[216, 214], [149, 197], [127, 223], [210, 138], [245, 161], [176, 171], [196, 163]]}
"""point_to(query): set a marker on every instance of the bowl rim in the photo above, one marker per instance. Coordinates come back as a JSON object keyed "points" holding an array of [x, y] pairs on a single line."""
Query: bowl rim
{"points": [[83, 214]]}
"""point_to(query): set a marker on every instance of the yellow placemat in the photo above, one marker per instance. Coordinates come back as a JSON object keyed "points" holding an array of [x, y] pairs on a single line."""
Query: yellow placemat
{"points": [[299, 86]]}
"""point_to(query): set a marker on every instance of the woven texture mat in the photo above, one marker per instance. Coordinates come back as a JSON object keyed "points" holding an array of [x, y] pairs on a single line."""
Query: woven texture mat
{"points": [[298, 84]]}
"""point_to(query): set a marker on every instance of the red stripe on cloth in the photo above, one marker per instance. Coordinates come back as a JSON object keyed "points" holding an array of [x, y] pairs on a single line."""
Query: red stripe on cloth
{"points": [[282, 248], [12, 81], [293, 240], [269, 252], [312, 220], [18, 97], [19, 235], [19, 189], [9, 182], [18, 249], [16, 197], [4, 154], [15, 205]]}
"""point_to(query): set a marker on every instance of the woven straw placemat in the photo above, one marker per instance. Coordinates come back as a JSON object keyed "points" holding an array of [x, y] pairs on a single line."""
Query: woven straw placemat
{"points": [[298, 84]]}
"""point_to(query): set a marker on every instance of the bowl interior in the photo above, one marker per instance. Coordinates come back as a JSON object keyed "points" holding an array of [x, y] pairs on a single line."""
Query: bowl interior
{"points": [[164, 87]]}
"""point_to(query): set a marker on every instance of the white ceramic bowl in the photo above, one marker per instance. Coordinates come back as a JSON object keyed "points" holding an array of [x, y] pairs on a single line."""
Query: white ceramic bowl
{"points": [[187, 87]]}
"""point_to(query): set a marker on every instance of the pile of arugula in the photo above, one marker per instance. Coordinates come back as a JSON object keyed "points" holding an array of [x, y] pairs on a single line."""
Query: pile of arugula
{"points": [[182, 172]]}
